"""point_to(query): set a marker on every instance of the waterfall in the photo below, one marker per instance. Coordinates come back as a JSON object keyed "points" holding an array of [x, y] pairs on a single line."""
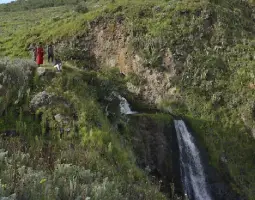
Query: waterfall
{"points": [[124, 106], [192, 171]]}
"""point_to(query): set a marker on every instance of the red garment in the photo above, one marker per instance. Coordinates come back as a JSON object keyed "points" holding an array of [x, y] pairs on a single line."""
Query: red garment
{"points": [[39, 55]]}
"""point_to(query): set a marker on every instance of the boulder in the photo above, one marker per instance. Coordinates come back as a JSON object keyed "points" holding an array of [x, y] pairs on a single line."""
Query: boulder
{"points": [[41, 99], [45, 99], [58, 118], [41, 71]]}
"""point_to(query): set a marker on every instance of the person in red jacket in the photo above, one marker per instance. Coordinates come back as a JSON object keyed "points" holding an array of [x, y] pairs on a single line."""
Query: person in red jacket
{"points": [[39, 54]]}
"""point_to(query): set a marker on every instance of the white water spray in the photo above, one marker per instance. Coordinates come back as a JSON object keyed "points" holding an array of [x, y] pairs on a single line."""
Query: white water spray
{"points": [[125, 107], [192, 171]]}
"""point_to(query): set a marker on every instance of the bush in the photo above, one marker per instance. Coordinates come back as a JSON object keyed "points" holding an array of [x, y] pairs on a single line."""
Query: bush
{"points": [[15, 76], [81, 8]]}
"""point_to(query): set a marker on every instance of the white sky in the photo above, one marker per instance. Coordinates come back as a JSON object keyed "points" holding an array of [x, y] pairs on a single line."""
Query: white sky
{"points": [[5, 1]]}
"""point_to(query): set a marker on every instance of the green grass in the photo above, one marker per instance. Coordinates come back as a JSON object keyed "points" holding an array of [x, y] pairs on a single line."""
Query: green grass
{"points": [[211, 40], [38, 163], [19, 29]]}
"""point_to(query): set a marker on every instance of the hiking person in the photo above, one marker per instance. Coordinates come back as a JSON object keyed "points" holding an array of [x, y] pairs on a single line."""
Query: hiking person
{"points": [[32, 49], [39, 54], [58, 64], [50, 52]]}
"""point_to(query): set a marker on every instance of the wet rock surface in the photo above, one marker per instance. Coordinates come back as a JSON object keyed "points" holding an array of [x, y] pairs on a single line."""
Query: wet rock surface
{"points": [[153, 142]]}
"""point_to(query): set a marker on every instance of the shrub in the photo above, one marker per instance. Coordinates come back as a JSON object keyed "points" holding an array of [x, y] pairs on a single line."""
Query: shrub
{"points": [[81, 8], [15, 76]]}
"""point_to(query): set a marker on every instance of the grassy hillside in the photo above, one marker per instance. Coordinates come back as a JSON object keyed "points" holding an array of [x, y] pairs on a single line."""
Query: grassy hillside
{"points": [[56, 141], [19, 29], [20, 5], [213, 46]]}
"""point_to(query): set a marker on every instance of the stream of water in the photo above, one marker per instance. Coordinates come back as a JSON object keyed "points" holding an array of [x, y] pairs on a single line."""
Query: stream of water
{"points": [[192, 170], [125, 107]]}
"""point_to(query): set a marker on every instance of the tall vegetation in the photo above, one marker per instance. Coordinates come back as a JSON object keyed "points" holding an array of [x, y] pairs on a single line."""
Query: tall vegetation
{"points": [[212, 45], [78, 156], [15, 79], [19, 5]]}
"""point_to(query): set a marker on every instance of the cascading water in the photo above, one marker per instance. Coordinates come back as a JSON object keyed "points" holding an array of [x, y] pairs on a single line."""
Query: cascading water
{"points": [[124, 106], [192, 171]]}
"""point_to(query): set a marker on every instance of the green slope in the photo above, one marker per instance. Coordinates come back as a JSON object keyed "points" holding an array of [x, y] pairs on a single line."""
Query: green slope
{"points": [[212, 41], [90, 160]]}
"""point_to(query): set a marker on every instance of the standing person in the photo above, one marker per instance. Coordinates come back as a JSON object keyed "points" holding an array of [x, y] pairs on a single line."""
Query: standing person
{"points": [[50, 52], [39, 54], [32, 49]]}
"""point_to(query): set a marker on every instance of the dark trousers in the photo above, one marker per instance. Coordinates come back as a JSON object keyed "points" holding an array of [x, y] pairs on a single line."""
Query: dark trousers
{"points": [[50, 57]]}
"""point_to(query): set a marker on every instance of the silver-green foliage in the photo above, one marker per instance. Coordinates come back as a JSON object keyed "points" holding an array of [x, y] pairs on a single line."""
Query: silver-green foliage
{"points": [[14, 80], [66, 181]]}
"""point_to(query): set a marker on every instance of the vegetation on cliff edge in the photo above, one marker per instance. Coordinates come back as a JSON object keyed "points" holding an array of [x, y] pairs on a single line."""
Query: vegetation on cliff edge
{"points": [[212, 43]]}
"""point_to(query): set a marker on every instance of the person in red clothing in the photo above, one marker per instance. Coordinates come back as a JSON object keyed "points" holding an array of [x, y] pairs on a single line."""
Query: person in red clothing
{"points": [[39, 54]]}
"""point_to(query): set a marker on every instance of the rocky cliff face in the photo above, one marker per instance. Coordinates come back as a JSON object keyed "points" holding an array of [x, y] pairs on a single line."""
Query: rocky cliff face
{"points": [[155, 146], [109, 45]]}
